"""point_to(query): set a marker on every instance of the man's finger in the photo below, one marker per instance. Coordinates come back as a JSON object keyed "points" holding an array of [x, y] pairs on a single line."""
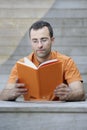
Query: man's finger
{"points": [[20, 85]]}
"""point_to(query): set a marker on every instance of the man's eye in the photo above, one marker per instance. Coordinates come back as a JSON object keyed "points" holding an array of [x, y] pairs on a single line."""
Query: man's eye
{"points": [[35, 41], [44, 40]]}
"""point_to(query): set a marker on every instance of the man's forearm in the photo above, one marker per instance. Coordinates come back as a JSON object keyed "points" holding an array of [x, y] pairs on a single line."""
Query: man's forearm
{"points": [[76, 94], [5, 97]]}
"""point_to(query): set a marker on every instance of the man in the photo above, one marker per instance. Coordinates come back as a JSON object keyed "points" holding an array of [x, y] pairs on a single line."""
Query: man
{"points": [[42, 39]]}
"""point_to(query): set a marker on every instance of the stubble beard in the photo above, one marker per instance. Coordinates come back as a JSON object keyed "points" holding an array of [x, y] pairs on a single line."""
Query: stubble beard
{"points": [[44, 54]]}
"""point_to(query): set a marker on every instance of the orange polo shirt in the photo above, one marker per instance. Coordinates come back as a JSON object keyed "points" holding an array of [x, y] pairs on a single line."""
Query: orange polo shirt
{"points": [[70, 70]]}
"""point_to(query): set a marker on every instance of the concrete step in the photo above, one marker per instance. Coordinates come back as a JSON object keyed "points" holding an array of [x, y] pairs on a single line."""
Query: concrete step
{"points": [[38, 13], [69, 21], [60, 4]]}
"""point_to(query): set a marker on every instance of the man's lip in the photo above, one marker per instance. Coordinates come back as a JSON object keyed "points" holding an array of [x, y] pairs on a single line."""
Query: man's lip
{"points": [[40, 50]]}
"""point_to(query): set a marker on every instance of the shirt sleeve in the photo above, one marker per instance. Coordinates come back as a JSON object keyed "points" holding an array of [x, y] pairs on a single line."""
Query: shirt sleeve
{"points": [[71, 72], [13, 75]]}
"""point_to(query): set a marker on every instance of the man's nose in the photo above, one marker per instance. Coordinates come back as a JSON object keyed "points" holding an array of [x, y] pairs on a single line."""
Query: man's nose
{"points": [[40, 44]]}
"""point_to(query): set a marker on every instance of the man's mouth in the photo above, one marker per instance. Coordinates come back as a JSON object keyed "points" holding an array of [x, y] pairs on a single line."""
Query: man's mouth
{"points": [[40, 50]]}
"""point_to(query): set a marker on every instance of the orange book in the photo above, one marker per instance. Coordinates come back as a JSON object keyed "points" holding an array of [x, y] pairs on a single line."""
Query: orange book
{"points": [[40, 81]]}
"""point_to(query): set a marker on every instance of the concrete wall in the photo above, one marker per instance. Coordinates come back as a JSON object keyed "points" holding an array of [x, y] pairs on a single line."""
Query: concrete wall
{"points": [[43, 115], [68, 18]]}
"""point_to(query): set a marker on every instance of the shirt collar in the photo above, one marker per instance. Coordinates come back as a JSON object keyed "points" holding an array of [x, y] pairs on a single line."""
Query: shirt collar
{"points": [[33, 58]]}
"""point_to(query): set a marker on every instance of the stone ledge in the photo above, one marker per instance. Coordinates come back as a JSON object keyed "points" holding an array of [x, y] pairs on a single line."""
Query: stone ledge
{"points": [[45, 106], [47, 115]]}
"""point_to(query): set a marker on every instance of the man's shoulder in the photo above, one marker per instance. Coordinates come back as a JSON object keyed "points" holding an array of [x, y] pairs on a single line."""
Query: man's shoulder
{"points": [[60, 56]]}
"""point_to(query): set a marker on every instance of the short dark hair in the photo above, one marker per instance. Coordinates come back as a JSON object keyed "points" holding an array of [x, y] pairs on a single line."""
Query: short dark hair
{"points": [[40, 24]]}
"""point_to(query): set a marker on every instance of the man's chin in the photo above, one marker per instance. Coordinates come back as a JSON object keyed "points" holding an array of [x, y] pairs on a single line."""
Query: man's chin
{"points": [[41, 55]]}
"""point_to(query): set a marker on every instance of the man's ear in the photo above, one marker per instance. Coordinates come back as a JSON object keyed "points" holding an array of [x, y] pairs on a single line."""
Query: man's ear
{"points": [[53, 38]]}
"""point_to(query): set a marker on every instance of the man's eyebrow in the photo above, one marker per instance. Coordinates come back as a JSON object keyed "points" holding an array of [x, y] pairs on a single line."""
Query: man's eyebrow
{"points": [[40, 38], [34, 39], [44, 38]]}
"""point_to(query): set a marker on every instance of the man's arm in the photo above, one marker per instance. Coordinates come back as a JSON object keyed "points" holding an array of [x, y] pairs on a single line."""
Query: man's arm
{"points": [[12, 91], [72, 92]]}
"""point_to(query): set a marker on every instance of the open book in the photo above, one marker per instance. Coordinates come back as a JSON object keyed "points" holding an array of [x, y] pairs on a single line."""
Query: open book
{"points": [[42, 80]]}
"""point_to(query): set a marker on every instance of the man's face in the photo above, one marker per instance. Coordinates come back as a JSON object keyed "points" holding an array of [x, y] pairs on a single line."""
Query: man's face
{"points": [[41, 42]]}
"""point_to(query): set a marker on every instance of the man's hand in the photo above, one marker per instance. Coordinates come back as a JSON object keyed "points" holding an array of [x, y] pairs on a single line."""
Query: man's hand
{"points": [[62, 91], [12, 91], [73, 92]]}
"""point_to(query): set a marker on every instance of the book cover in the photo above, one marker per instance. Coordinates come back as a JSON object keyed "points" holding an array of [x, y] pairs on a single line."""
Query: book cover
{"points": [[42, 80]]}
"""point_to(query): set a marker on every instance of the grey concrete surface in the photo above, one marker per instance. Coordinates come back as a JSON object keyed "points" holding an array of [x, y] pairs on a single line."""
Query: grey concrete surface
{"points": [[43, 115]]}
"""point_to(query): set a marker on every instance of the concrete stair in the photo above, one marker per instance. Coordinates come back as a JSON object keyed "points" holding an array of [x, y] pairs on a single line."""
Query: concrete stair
{"points": [[68, 18]]}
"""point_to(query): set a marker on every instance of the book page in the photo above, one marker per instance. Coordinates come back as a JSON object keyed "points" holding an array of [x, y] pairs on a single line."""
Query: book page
{"points": [[47, 62], [29, 63]]}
